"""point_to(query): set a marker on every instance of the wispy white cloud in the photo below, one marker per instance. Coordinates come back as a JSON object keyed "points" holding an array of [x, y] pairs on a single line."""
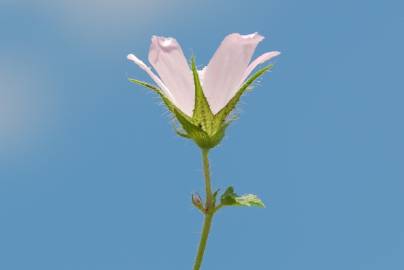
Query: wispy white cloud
{"points": [[102, 18], [25, 103], [25, 86]]}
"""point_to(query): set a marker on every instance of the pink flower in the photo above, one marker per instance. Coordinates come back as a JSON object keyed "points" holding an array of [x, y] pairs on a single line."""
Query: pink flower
{"points": [[226, 72]]}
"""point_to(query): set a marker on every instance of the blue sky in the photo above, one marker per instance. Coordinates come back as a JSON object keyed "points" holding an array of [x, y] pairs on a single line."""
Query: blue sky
{"points": [[92, 175]]}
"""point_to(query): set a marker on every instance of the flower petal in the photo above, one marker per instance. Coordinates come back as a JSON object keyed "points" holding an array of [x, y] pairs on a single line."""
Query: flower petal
{"points": [[226, 68], [258, 61], [201, 74], [155, 78], [168, 60]]}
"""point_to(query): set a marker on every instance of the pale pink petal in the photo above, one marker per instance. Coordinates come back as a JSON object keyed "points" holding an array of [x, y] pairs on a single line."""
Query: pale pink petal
{"points": [[258, 61], [155, 78], [226, 68], [168, 60], [201, 74]]}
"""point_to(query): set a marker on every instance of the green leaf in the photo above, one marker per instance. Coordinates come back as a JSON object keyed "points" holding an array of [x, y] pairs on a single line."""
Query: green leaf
{"points": [[230, 198], [249, 200], [215, 195]]}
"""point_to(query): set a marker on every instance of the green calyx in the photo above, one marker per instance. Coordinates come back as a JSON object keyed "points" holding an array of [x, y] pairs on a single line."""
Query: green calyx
{"points": [[204, 128]]}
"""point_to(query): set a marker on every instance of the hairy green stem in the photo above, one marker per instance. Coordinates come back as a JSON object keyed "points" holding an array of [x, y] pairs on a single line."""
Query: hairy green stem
{"points": [[202, 244], [209, 211], [208, 186]]}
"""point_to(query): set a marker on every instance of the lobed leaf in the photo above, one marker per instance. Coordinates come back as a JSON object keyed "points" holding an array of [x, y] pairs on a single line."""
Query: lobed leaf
{"points": [[230, 198]]}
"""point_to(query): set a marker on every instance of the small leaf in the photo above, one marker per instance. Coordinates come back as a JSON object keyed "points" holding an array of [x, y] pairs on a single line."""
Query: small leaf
{"points": [[215, 195], [249, 200], [230, 198]]}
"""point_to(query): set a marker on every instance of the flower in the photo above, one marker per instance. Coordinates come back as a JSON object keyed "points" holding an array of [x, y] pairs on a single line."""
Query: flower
{"points": [[202, 99]]}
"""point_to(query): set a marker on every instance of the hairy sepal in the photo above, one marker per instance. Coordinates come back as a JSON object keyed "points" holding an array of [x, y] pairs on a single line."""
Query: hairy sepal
{"points": [[202, 114], [204, 128], [192, 128], [223, 115]]}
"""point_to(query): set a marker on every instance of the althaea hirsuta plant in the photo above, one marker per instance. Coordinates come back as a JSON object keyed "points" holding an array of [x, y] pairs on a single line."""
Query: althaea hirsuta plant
{"points": [[202, 101]]}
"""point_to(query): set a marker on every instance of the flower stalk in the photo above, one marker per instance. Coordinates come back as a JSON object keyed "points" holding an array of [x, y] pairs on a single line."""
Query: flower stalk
{"points": [[208, 212]]}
